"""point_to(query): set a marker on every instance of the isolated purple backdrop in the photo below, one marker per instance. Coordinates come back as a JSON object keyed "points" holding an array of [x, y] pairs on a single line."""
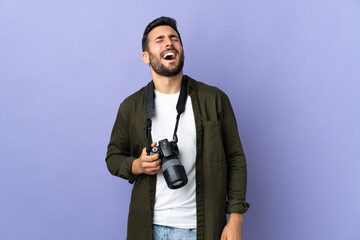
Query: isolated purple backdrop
{"points": [[290, 68]]}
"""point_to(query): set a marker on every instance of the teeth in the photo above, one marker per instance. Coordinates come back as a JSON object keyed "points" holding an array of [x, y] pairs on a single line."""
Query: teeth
{"points": [[169, 54]]}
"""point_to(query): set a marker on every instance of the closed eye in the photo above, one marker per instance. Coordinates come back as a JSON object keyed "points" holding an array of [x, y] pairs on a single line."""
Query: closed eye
{"points": [[159, 38], [174, 37]]}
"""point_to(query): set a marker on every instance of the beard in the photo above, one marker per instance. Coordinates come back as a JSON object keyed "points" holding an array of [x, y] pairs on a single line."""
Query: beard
{"points": [[160, 68]]}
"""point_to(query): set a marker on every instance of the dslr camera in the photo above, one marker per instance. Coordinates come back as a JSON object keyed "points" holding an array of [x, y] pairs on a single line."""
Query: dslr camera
{"points": [[174, 172]]}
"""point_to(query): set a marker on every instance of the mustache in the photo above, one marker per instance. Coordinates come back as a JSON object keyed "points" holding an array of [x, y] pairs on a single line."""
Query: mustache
{"points": [[169, 49]]}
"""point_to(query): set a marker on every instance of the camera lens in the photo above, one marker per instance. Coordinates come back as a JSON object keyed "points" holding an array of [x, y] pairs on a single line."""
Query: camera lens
{"points": [[175, 175], [174, 172], [177, 183]]}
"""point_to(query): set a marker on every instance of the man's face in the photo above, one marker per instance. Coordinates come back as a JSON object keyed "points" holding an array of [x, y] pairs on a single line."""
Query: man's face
{"points": [[166, 55]]}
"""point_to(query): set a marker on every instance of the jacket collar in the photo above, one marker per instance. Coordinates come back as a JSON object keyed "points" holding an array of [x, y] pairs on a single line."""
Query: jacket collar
{"points": [[191, 84]]}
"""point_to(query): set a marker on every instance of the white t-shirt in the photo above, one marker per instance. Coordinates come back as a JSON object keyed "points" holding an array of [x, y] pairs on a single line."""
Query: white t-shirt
{"points": [[175, 208]]}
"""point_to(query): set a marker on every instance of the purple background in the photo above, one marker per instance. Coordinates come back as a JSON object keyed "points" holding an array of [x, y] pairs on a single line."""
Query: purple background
{"points": [[290, 68]]}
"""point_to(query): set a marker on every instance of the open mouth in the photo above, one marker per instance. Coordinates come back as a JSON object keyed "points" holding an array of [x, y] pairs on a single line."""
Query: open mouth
{"points": [[169, 56]]}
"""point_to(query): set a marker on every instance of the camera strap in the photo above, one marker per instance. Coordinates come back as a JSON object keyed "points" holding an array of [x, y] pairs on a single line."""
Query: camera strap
{"points": [[149, 109]]}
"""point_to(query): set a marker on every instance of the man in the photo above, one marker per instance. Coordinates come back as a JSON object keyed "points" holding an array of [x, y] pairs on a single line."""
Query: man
{"points": [[209, 145]]}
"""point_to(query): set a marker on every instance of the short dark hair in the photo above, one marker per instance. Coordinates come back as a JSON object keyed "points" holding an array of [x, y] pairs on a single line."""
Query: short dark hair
{"points": [[161, 21]]}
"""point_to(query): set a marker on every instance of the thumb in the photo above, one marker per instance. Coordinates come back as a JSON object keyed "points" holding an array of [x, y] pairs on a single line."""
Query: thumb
{"points": [[154, 144]]}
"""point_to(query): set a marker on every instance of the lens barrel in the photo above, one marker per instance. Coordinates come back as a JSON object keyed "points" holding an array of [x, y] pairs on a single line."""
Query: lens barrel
{"points": [[175, 176]]}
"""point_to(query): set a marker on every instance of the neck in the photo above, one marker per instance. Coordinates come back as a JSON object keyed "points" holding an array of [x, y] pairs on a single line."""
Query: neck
{"points": [[167, 85]]}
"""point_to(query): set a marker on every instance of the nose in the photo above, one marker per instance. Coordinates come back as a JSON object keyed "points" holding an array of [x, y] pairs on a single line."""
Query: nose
{"points": [[168, 42]]}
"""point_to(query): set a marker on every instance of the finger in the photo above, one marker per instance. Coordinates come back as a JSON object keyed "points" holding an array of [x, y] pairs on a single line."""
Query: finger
{"points": [[158, 162], [155, 171], [152, 158], [152, 171], [153, 144], [149, 165]]}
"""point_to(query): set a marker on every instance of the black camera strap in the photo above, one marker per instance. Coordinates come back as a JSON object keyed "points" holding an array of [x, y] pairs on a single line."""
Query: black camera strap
{"points": [[149, 109]]}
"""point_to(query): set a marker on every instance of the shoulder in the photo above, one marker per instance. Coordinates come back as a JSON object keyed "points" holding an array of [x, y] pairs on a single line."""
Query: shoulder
{"points": [[134, 98], [132, 102]]}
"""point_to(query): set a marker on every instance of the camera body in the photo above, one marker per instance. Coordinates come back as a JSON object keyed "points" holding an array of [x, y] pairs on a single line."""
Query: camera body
{"points": [[173, 170]]}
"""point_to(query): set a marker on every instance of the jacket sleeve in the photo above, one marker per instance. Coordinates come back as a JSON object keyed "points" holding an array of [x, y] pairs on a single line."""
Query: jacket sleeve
{"points": [[236, 162], [118, 158]]}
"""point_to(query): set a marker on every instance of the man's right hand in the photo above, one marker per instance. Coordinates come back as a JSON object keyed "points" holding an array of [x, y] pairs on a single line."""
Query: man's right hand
{"points": [[146, 164]]}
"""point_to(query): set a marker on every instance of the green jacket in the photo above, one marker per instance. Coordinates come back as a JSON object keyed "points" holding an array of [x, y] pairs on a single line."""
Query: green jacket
{"points": [[220, 162]]}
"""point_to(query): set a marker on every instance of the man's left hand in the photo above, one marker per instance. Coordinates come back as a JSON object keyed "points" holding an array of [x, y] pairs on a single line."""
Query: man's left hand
{"points": [[232, 230]]}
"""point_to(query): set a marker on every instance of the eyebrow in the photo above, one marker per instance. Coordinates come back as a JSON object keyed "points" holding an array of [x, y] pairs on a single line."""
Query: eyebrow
{"points": [[159, 37], [173, 35]]}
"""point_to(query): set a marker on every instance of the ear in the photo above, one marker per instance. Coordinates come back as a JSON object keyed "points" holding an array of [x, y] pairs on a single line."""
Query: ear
{"points": [[145, 57]]}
